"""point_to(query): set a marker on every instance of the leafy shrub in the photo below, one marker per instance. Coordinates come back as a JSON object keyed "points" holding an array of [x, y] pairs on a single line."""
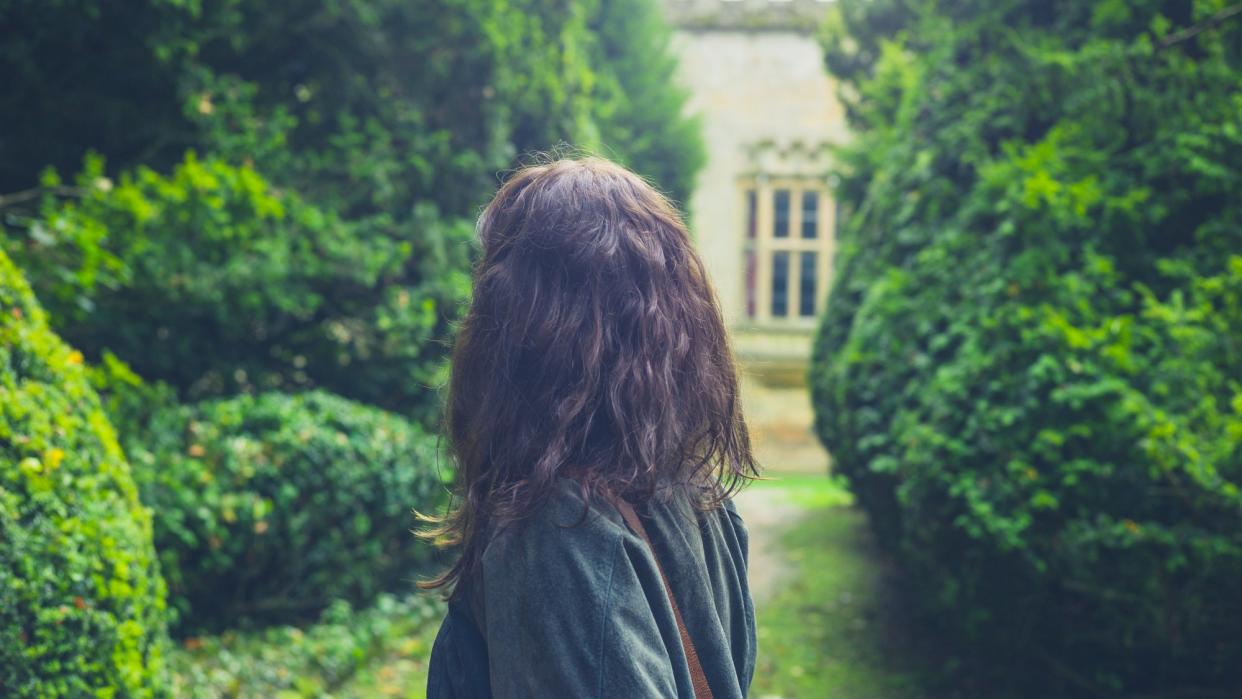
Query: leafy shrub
{"points": [[216, 282], [127, 399], [332, 657], [342, 265], [81, 598], [1029, 369], [269, 507], [637, 101], [366, 108]]}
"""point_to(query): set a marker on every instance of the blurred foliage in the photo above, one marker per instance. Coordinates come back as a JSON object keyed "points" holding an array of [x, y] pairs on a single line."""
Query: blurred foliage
{"points": [[267, 508], [81, 597], [366, 107], [214, 281], [326, 658], [377, 124], [637, 101], [272, 201], [82, 74], [1031, 367], [323, 238]]}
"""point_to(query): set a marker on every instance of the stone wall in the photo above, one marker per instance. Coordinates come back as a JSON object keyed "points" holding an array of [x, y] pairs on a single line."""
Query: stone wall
{"points": [[768, 109], [756, 76], [802, 15]]}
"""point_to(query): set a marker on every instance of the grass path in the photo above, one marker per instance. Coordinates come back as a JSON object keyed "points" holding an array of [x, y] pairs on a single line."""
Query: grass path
{"points": [[827, 626]]}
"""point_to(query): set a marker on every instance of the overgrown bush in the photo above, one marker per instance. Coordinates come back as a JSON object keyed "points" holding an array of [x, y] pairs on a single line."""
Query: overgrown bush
{"points": [[323, 239], [269, 507], [365, 108], [378, 128], [1031, 366], [216, 282], [81, 598]]}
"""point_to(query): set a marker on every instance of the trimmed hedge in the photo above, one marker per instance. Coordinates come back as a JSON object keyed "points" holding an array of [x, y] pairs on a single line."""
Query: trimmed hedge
{"points": [[81, 598], [1030, 369], [268, 508]]}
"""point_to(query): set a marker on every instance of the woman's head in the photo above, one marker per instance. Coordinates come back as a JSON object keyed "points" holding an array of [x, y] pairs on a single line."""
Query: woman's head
{"points": [[593, 347]]}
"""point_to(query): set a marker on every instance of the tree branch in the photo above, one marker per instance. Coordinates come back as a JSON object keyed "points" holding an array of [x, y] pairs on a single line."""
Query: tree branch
{"points": [[7, 200], [1195, 29]]}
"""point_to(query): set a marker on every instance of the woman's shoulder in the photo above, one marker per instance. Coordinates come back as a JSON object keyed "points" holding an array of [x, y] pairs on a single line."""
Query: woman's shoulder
{"points": [[571, 525], [568, 556], [566, 524]]}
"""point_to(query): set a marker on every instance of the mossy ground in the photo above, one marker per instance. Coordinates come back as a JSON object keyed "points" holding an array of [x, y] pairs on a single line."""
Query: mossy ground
{"points": [[834, 627]]}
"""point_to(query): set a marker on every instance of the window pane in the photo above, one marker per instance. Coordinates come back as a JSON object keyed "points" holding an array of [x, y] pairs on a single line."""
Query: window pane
{"points": [[807, 290], [752, 216], [780, 283], [781, 214], [810, 214], [750, 283]]}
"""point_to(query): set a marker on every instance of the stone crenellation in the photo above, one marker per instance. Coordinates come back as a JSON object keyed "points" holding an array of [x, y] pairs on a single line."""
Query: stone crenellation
{"points": [[793, 157], [758, 15]]}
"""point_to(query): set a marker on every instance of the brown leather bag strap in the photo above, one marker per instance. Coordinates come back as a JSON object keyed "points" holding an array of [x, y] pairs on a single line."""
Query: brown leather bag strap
{"points": [[697, 677]]}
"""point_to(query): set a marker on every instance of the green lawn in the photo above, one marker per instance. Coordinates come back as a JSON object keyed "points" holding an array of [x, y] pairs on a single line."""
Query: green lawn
{"points": [[831, 630]]}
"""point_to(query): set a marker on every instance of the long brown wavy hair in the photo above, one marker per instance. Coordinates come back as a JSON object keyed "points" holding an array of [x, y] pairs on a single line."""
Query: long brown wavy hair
{"points": [[594, 348]]}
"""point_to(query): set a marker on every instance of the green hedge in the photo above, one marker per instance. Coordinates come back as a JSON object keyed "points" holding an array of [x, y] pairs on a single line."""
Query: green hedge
{"points": [[81, 598], [1030, 369], [268, 508]]}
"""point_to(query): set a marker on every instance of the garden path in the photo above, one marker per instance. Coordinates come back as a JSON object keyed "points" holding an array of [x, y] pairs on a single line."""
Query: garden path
{"points": [[768, 513], [830, 625]]}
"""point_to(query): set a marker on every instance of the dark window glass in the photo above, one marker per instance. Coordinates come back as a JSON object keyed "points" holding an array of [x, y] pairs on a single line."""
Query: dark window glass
{"points": [[780, 283], [810, 214], [752, 215], [780, 227], [807, 280], [750, 283]]}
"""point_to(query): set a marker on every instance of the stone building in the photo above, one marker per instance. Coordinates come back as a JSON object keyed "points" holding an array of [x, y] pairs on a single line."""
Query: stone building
{"points": [[763, 213]]}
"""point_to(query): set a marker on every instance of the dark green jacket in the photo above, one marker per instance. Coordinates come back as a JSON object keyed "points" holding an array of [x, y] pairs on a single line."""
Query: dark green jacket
{"points": [[579, 610]]}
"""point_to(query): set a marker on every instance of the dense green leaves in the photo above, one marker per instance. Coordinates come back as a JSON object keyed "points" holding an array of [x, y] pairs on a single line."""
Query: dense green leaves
{"points": [[263, 252], [115, 68], [637, 102], [1030, 367], [216, 282], [81, 597], [366, 107], [322, 240], [370, 107], [269, 507]]}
